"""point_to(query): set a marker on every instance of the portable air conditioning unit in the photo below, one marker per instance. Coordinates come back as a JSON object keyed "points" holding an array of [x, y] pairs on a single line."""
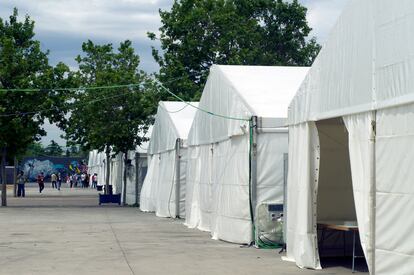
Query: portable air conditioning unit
{"points": [[269, 225]]}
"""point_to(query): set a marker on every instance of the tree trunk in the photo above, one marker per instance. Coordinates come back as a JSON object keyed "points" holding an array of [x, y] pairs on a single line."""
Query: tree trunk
{"points": [[124, 191], [108, 168], [3, 174]]}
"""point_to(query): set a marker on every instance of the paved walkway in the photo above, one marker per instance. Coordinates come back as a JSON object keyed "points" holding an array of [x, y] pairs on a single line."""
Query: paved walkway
{"points": [[66, 232]]}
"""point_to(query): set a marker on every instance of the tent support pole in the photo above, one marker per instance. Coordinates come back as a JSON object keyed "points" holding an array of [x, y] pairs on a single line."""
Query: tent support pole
{"points": [[107, 169], [177, 177], [285, 202], [253, 158], [137, 177], [124, 178], [373, 189]]}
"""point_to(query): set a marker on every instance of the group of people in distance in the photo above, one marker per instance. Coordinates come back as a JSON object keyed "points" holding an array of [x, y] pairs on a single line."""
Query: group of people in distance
{"points": [[56, 179], [83, 179]]}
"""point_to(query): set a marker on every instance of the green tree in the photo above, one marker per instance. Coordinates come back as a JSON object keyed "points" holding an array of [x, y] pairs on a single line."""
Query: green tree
{"points": [[76, 151], [53, 149], [35, 149], [24, 65], [111, 120], [198, 33]]}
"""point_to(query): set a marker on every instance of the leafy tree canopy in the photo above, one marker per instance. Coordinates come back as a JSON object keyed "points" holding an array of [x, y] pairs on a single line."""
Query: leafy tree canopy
{"points": [[198, 33], [116, 118], [35, 149], [24, 65]]}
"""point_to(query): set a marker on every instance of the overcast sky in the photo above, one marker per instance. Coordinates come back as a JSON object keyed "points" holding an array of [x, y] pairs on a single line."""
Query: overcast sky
{"points": [[63, 25]]}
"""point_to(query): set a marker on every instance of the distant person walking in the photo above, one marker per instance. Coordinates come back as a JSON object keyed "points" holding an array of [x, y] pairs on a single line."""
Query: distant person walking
{"points": [[87, 180], [83, 180], [21, 180], [53, 178], [72, 180], [94, 180], [59, 181], [76, 179], [41, 181]]}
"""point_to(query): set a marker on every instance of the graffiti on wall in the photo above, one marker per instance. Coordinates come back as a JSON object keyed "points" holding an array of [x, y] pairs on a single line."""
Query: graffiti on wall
{"points": [[48, 165]]}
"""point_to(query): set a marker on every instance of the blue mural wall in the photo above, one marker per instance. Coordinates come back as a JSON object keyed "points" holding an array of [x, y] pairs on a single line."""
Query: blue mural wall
{"points": [[32, 166]]}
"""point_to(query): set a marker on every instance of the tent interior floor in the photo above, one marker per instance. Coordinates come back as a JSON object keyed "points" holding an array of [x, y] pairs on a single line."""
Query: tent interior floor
{"points": [[345, 262]]}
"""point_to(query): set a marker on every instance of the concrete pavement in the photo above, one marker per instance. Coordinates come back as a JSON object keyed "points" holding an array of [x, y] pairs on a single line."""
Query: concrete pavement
{"points": [[67, 232]]}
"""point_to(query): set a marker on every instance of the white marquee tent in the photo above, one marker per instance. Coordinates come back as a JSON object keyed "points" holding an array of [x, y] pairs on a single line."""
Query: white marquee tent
{"points": [[167, 159], [351, 136], [96, 164], [217, 197]]}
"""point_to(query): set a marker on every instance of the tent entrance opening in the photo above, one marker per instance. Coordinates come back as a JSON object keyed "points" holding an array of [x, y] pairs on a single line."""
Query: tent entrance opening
{"points": [[336, 214]]}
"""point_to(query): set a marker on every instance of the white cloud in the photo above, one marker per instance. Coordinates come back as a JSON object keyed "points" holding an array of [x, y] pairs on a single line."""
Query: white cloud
{"points": [[62, 25], [322, 16], [103, 19]]}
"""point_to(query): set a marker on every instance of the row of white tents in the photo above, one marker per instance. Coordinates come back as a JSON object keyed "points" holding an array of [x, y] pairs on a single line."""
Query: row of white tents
{"points": [[211, 150], [350, 129], [136, 171]]}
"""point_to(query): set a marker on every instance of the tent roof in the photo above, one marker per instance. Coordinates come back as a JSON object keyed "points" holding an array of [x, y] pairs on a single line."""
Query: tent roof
{"points": [[242, 92], [181, 115], [366, 63], [267, 90], [173, 121]]}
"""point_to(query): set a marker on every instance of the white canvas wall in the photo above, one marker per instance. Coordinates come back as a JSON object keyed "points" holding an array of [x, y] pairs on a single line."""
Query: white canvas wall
{"points": [[218, 179], [218, 184], [149, 190], [219, 146], [365, 66], [394, 241], [271, 148], [230, 194], [132, 173], [301, 236], [340, 80], [159, 190], [192, 201], [117, 173], [360, 150], [172, 123]]}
